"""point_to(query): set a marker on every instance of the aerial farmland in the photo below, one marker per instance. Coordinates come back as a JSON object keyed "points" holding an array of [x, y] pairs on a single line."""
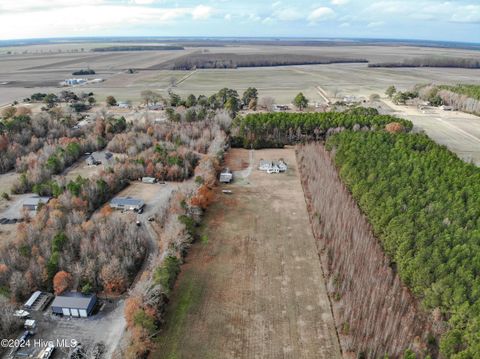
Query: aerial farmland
{"points": [[347, 223]]}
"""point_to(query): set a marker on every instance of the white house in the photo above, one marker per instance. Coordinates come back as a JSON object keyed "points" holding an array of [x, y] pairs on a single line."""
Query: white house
{"points": [[282, 166], [264, 165]]}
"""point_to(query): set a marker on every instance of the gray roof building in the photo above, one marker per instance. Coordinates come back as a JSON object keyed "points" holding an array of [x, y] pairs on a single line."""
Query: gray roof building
{"points": [[226, 176], [127, 203], [32, 203], [74, 304]]}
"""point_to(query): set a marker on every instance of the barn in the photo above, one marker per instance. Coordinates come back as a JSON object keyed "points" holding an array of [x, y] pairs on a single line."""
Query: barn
{"points": [[74, 304]]}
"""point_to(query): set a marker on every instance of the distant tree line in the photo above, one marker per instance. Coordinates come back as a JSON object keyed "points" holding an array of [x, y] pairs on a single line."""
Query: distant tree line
{"points": [[193, 108], [232, 61], [83, 72], [264, 130], [455, 62], [461, 97], [465, 98], [138, 48]]}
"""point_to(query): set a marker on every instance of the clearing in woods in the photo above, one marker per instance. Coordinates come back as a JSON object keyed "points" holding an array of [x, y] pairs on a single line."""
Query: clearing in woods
{"points": [[252, 287]]}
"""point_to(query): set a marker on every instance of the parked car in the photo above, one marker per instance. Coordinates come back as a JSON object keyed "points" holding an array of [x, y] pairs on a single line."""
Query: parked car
{"points": [[21, 314], [48, 351]]}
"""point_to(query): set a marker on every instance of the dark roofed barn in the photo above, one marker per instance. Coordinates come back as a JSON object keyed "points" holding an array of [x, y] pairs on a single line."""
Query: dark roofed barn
{"points": [[74, 304]]}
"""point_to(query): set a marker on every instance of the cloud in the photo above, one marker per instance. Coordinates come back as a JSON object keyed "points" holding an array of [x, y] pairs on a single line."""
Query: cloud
{"points": [[142, 2], [448, 11], [321, 14], [268, 21], [90, 20], [228, 17], [40, 5], [287, 14], [202, 12], [467, 14], [339, 2], [345, 24]]}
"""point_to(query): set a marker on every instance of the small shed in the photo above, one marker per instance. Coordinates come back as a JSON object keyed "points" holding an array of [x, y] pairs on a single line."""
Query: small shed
{"points": [[32, 203], [226, 176], [74, 304], [150, 180], [280, 108]]}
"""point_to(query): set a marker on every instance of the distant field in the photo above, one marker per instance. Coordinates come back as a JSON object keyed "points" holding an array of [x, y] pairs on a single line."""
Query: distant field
{"points": [[43, 67]]}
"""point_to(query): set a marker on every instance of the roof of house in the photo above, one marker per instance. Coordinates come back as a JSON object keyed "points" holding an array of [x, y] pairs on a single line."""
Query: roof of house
{"points": [[126, 201], [35, 200], [73, 300]]}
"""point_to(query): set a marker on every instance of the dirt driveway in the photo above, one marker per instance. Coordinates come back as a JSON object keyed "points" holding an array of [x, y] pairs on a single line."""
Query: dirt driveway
{"points": [[253, 286]]}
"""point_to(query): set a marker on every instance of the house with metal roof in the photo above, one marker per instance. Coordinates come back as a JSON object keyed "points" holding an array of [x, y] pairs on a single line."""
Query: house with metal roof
{"points": [[32, 203], [74, 304], [127, 203]]}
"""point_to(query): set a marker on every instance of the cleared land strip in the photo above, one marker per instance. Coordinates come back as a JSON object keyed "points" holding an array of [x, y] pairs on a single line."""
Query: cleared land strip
{"points": [[253, 287]]}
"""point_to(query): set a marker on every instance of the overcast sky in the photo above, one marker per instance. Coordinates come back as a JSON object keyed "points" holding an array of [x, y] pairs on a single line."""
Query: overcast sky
{"points": [[457, 20]]}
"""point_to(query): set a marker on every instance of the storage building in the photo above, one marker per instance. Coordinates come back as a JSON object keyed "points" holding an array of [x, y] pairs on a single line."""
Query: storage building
{"points": [[74, 304], [226, 176], [127, 203], [32, 203]]}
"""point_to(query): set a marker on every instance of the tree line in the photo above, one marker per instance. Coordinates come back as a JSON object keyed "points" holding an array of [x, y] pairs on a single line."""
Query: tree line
{"points": [[369, 314], [179, 218], [422, 202], [233, 61], [264, 130], [462, 97], [454, 62], [137, 48]]}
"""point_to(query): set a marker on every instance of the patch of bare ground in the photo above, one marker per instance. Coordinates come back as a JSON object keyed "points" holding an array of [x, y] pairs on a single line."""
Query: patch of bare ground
{"points": [[252, 287], [236, 159]]}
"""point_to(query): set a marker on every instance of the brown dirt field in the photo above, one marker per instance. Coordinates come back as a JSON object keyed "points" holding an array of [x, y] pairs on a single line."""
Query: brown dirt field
{"points": [[236, 159], [253, 287]]}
